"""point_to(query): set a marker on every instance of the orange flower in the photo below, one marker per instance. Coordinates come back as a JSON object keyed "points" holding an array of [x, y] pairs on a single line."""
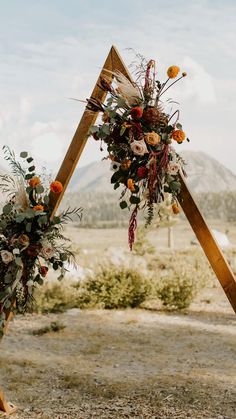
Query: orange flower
{"points": [[130, 185], [175, 208], [35, 181], [38, 207], [56, 186], [173, 71], [125, 165], [178, 135]]}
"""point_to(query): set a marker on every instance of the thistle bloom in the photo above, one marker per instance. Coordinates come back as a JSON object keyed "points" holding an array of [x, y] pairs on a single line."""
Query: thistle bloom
{"points": [[35, 181], [142, 172], [139, 148], [136, 112], [178, 135], [173, 71], [152, 138], [56, 186]]}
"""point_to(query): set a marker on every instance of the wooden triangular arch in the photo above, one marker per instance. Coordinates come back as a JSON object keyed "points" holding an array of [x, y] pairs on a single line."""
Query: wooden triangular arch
{"points": [[189, 206], [186, 200]]}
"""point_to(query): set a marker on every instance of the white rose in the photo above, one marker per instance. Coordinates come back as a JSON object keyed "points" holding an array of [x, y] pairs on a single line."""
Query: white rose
{"points": [[173, 168], [6, 256], [139, 147], [47, 252]]}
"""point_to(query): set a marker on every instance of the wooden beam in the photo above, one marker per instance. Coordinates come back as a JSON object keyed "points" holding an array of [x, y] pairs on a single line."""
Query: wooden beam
{"points": [[6, 407], [113, 62], [213, 252]]}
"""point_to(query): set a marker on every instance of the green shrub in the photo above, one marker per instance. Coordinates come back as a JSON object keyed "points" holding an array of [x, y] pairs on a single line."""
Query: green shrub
{"points": [[52, 327], [113, 287], [176, 291], [55, 297]]}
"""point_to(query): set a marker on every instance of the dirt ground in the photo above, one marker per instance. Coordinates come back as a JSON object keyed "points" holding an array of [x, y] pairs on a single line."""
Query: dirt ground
{"points": [[125, 364], [122, 364]]}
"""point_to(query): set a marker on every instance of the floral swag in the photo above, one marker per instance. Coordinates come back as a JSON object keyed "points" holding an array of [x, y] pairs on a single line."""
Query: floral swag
{"points": [[139, 134], [31, 240]]}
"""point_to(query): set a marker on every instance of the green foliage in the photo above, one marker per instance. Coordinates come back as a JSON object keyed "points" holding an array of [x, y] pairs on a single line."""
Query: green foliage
{"points": [[177, 291], [142, 245], [55, 297], [113, 287], [55, 326]]}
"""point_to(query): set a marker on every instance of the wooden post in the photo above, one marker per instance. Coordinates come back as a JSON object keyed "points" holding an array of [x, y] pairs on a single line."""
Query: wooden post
{"points": [[214, 254], [6, 407]]}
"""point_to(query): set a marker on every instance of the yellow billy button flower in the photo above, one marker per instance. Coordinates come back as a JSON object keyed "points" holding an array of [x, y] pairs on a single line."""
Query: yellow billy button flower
{"points": [[130, 185], [173, 71]]}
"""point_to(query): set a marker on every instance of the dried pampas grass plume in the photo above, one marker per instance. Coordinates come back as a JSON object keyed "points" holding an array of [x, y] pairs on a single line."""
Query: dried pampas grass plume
{"points": [[125, 88], [21, 198]]}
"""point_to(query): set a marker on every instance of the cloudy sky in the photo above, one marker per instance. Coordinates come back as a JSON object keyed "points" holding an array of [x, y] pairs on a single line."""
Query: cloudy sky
{"points": [[53, 50]]}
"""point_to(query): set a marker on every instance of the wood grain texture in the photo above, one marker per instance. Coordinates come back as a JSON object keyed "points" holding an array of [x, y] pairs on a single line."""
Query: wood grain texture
{"points": [[113, 62], [206, 239], [6, 407]]}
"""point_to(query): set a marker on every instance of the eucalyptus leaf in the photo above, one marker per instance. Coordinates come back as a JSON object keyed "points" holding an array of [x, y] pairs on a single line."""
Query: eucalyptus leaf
{"points": [[123, 204], [23, 154], [7, 209]]}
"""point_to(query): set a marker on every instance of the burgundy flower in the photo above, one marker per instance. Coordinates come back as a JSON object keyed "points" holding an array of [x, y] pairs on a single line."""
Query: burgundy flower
{"points": [[32, 251], [43, 271], [136, 112], [142, 172]]}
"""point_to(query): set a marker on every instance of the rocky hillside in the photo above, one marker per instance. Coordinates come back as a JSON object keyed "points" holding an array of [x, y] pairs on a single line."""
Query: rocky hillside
{"points": [[205, 174]]}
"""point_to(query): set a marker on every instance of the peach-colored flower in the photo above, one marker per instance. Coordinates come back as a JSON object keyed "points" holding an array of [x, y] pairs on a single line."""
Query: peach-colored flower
{"points": [[152, 138], [139, 148], [173, 168], [24, 240]]}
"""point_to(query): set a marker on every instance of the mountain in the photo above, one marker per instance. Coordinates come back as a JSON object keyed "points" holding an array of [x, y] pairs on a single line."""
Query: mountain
{"points": [[205, 174]]}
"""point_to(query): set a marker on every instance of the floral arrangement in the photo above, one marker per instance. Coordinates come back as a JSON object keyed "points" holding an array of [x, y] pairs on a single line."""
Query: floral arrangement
{"points": [[31, 240], [139, 135]]}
